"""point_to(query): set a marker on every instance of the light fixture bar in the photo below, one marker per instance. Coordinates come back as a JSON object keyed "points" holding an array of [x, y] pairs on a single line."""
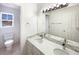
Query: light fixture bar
{"points": [[55, 7]]}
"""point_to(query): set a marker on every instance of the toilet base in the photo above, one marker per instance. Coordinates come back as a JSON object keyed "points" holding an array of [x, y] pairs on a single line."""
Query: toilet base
{"points": [[9, 48], [9, 44]]}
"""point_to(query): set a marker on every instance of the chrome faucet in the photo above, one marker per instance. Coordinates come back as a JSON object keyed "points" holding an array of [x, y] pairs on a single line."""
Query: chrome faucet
{"points": [[64, 43], [42, 35]]}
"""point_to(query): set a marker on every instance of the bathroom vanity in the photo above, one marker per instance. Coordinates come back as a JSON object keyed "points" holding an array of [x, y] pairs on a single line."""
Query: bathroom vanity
{"points": [[38, 46]]}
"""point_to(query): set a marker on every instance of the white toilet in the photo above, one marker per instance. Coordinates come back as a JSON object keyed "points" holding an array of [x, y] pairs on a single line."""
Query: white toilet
{"points": [[9, 40], [8, 44]]}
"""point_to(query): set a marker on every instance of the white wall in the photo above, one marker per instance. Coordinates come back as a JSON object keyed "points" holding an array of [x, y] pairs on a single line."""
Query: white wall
{"points": [[28, 21], [41, 22], [41, 16]]}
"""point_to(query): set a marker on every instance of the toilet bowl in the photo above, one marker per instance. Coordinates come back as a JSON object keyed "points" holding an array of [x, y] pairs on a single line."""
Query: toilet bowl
{"points": [[8, 44]]}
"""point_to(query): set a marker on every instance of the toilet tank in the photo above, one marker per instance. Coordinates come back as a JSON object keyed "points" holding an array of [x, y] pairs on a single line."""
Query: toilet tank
{"points": [[8, 34]]}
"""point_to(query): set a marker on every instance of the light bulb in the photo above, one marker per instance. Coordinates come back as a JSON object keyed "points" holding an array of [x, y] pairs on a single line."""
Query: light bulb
{"points": [[64, 3], [57, 5], [47, 8]]}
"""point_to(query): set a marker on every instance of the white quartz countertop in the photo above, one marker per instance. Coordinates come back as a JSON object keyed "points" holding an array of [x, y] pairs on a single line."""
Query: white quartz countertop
{"points": [[46, 46]]}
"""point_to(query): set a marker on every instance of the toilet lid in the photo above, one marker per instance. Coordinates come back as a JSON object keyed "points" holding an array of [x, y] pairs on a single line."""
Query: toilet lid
{"points": [[8, 42]]}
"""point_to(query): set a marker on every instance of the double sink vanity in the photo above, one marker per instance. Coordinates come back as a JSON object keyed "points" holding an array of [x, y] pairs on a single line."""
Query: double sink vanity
{"points": [[48, 45]]}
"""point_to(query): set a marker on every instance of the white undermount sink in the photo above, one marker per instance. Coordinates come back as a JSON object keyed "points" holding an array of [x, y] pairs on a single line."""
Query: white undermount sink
{"points": [[58, 51]]}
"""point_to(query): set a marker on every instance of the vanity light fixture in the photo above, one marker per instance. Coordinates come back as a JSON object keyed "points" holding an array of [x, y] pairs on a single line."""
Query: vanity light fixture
{"points": [[55, 7]]}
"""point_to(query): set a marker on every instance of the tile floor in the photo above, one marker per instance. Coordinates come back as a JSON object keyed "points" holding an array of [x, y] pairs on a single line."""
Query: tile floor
{"points": [[15, 50]]}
